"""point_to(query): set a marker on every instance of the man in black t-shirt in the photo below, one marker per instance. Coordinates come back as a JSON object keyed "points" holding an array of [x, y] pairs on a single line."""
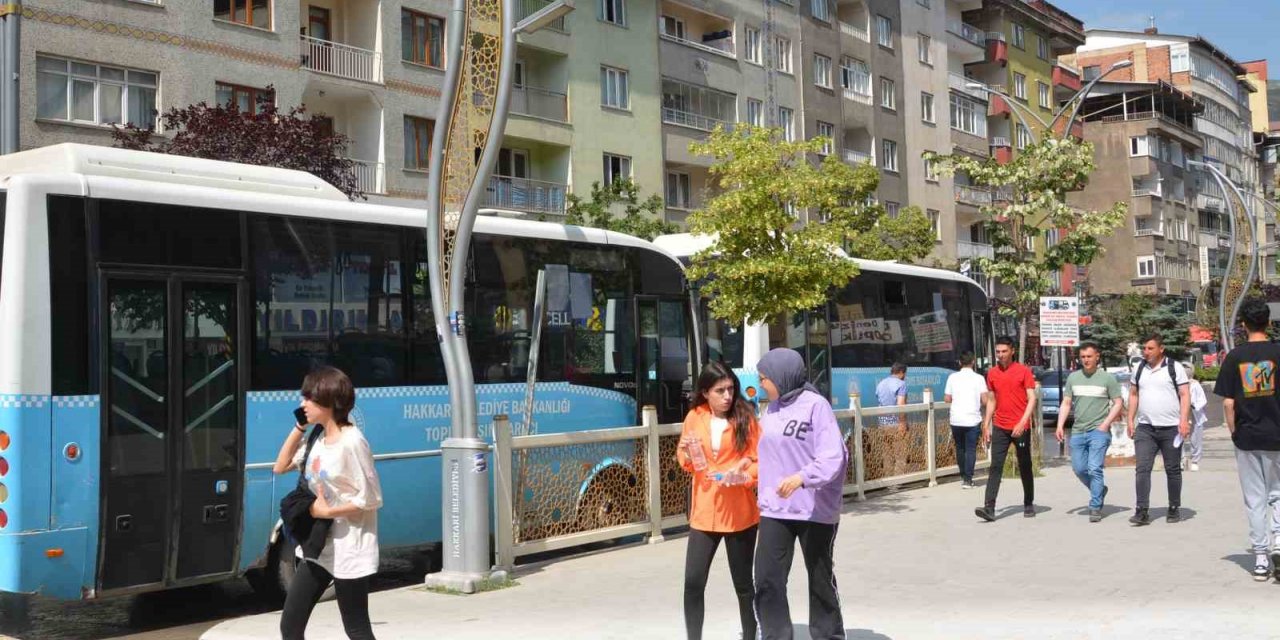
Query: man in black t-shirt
{"points": [[1247, 381]]}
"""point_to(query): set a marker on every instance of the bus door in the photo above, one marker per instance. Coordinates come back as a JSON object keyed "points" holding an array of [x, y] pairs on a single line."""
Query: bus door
{"points": [[662, 356], [983, 348], [172, 463]]}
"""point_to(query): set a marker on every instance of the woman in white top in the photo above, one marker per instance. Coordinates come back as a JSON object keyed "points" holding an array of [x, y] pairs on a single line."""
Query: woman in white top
{"points": [[340, 473]]}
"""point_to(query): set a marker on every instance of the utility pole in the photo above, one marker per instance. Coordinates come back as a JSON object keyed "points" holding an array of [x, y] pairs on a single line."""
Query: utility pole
{"points": [[10, 63]]}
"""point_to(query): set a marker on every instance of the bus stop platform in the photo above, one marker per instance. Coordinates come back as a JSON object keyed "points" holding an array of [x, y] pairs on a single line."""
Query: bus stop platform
{"points": [[910, 564]]}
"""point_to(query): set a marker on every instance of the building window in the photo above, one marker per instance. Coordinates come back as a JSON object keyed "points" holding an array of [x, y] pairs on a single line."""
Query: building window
{"points": [[96, 94], [889, 151], [614, 88], [926, 108], [1042, 47], [821, 10], [935, 220], [930, 170], [827, 131], [616, 168], [1091, 72], [417, 142], [255, 13], [614, 11], [788, 119], [969, 116], [888, 93], [421, 38], [884, 32], [246, 99], [925, 49], [755, 46], [891, 208], [1019, 86], [678, 191], [1051, 238], [674, 27], [755, 112], [1019, 36], [822, 71], [1139, 146], [1146, 266], [1045, 101], [782, 53], [1024, 136], [699, 107], [1179, 58], [855, 75]]}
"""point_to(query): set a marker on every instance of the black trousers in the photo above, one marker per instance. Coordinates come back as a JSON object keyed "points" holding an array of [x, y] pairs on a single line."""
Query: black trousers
{"points": [[1147, 440], [1000, 442], [739, 546], [309, 583], [773, 564]]}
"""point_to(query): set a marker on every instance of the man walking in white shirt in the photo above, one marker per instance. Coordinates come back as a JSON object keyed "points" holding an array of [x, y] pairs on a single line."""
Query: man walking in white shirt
{"points": [[966, 392], [1159, 412]]}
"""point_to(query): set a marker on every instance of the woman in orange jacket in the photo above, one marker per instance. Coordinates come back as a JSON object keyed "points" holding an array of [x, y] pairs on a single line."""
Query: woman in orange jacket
{"points": [[718, 447]]}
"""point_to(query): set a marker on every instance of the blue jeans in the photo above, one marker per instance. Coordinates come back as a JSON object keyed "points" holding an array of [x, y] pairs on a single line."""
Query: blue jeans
{"points": [[1088, 451], [966, 439]]}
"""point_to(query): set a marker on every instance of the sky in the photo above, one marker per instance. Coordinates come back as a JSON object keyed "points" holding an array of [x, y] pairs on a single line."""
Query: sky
{"points": [[1245, 29]]}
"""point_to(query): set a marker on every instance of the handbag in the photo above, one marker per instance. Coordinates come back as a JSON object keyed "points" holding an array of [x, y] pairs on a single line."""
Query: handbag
{"points": [[300, 526]]}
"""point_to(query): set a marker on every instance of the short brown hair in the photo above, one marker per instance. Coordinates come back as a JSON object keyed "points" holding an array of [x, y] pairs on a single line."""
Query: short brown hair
{"points": [[330, 388]]}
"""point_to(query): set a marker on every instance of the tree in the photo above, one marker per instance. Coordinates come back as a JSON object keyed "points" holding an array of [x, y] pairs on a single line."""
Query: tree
{"points": [[640, 219], [266, 137], [1039, 177], [764, 261], [1172, 325], [1111, 341]]}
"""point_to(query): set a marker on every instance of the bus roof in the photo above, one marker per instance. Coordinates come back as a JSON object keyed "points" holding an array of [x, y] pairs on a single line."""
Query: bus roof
{"points": [[684, 245], [154, 177]]}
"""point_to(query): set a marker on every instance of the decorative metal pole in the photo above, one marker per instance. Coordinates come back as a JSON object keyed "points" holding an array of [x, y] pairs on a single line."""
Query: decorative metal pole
{"points": [[472, 115], [1240, 272]]}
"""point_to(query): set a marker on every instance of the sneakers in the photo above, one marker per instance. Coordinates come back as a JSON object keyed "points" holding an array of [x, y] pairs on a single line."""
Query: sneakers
{"points": [[1095, 515], [1141, 518], [986, 513], [1261, 569], [1174, 515], [966, 484], [1029, 511], [1195, 466]]}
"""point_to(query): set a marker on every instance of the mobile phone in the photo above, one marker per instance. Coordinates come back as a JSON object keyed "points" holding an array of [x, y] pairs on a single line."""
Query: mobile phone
{"points": [[300, 415]]}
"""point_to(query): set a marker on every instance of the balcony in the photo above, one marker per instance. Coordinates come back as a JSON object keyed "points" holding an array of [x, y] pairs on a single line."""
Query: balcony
{"points": [[854, 19], [997, 48], [966, 249], [523, 194], [968, 33], [695, 106], [690, 119], [341, 60], [960, 84], [999, 106], [855, 96], [540, 103], [721, 47], [854, 157], [370, 176], [699, 30], [859, 32], [1143, 191], [1066, 78], [526, 8], [976, 196]]}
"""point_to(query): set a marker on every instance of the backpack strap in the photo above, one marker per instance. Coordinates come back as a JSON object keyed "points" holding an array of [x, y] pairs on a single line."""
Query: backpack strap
{"points": [[315, 434], [1137, 376], [1173, 375]]}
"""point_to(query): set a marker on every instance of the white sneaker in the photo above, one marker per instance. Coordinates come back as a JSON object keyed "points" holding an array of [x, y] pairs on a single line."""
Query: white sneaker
{"points": [[1195, 466], [965, 485]]}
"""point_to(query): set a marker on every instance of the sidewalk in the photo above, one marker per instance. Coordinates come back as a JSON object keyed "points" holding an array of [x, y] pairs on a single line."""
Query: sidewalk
{"points": [[915, 564]]}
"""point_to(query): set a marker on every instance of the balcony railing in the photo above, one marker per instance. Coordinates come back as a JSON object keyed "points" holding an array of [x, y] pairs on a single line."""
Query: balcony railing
{"points": [[961, 84], [689, 119], [861, 33], [523, 194], [976, 196], [1142, 232], [370, 177], [854, 157], [966, 249], [342, 60], [861, 98], [526, 8], [968, 32], [1000, 141], [540, 103], [721, 47], [1142, 192]]}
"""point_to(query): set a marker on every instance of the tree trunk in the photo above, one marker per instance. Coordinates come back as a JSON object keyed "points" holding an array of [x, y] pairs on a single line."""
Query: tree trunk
{"points": [[1022, 338]]}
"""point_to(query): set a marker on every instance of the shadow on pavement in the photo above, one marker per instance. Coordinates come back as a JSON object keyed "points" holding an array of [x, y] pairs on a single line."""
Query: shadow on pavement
{"points": [[1183, 512], [1242, 560], [1011, 511], [802, 631], [880, 502]]}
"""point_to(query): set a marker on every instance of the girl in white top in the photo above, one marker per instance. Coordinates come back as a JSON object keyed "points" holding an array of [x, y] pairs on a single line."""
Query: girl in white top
{"points": [[1199, 419], [340, 472]]}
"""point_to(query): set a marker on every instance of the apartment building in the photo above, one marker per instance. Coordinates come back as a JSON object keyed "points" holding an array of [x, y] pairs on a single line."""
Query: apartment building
{"points": [[1143, 133], [372, 69], [1197, 67]]}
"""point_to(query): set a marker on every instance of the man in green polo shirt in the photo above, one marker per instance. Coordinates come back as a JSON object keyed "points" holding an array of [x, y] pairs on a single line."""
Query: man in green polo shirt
{"points": [[1093, 395]]}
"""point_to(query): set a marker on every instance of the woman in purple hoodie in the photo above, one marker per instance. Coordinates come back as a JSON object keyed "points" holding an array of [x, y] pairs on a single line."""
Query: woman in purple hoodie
{"points": [[802, 467]]}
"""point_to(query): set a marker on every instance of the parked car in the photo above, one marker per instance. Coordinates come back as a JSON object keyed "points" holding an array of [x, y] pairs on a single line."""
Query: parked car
{"points": [[1050, 400]]}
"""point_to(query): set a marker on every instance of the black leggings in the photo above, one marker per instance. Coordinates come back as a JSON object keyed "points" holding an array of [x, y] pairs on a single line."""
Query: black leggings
{"points": [[773, 565], [739, 546], [309, 583]]}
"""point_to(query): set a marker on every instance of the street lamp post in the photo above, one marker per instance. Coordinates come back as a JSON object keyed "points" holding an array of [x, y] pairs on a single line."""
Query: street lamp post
{"points": [[1077, 100], [1240, 273], [472, 115]]}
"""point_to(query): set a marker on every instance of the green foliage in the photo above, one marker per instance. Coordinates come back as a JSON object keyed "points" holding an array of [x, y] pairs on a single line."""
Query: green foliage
{"points": [[1039, 177], [1132, 318], [1172, 325], [640, 219], [1207, 374], [765, 259], [1111, 340]]}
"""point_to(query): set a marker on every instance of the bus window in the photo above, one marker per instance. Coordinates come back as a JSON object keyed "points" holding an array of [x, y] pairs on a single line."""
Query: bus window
{"points": [[724, 340], [367, 314], [162, 234], [501, 309], [70, 318]]}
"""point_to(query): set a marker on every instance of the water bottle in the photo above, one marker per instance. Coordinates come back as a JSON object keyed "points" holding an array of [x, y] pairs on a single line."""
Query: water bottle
{"points": [[696, 456]]}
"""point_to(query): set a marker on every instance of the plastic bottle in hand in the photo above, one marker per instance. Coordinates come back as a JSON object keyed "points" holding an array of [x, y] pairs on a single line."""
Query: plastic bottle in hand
{"points": [[731, 478], [693, 447]]}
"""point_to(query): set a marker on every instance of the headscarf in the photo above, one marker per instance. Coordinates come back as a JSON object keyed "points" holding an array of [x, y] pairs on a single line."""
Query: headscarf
{"points": [[785, 368]]}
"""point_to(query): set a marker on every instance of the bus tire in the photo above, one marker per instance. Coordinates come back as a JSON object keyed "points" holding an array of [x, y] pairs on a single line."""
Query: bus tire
{"points": [[605, 502]]}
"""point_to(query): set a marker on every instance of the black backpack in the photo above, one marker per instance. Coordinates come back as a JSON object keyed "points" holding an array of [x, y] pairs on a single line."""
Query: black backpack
{"points": [[1169, 365]]}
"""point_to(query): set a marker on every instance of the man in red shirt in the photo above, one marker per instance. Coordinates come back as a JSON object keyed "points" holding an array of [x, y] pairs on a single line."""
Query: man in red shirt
{"points": [[1009, 406]]}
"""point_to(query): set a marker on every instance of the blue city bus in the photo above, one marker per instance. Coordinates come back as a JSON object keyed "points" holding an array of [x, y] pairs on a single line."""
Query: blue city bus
{"points": [[890, 312], [158, 314]]}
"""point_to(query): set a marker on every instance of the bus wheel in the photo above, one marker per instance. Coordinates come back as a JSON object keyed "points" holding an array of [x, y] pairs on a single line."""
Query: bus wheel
{"points": [[272, 581], [609, 501]]}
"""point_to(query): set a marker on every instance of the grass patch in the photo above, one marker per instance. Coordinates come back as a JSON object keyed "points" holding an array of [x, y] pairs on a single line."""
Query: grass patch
{"points": [[481, 587]]}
